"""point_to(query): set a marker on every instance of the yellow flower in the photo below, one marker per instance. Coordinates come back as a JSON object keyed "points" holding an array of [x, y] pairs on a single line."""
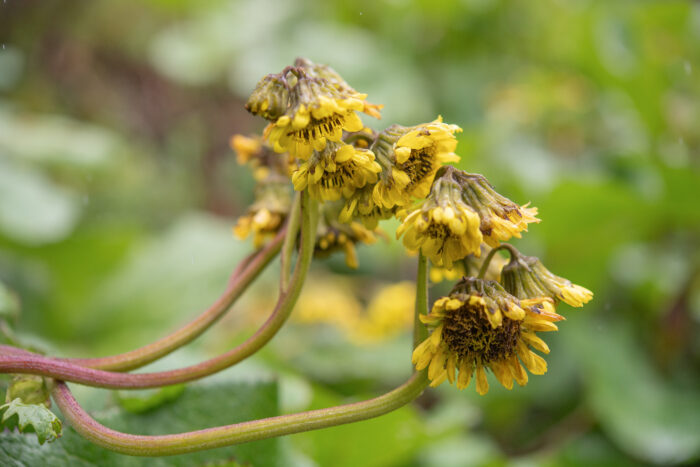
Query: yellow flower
{"points": [[260, 156], [317, 70], [337, 170], [526, 277], [361, 206], [267, 214], [442, 227], [501, 219], [417, 152], [333, 235], [318, 110], [480, 326], [389, 313], [328, 300]]}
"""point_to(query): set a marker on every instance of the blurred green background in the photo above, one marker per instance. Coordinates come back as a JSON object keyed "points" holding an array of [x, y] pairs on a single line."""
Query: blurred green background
{"points": [[118, 192]]}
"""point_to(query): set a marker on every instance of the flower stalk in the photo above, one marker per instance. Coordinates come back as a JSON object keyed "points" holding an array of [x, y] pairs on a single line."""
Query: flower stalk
{"points": [[182, 443]]}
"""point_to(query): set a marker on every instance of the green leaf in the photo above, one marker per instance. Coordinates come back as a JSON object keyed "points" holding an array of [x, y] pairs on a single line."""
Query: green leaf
{"points": [[29, 389], [647, 416], [141, 401], [31, 418], [204, 404], [9, 304], [33, 209]]}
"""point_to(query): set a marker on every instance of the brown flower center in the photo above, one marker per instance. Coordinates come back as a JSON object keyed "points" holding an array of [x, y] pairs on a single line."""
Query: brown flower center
{"points": [[319, 128], [418, 166], [468, 333]]}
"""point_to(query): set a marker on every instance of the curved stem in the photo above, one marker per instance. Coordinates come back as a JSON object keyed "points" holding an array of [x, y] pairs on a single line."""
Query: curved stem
{"points": [[485, 265], [60, 369], [241, 278], [166, 445]]}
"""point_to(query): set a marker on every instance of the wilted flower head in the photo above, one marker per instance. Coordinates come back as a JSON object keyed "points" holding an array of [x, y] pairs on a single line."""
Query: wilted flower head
{"points": [[318, 106], [361, 206], [337, 170], [324, 72], [443, 227], [270, 97], [479, 326], [334, 235], [258, 154], [526, 277], [266, 215], [501, 218], [415, 152]]}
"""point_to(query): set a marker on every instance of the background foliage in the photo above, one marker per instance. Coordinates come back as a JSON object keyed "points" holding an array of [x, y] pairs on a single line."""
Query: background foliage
{"points": [[118, 190]]}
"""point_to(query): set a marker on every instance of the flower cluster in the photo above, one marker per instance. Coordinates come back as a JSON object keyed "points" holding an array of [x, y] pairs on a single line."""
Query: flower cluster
{"points": [[456, 219]]}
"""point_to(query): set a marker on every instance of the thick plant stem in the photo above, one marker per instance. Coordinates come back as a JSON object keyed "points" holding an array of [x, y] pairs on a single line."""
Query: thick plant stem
{"points": [[289, 242], [420, 332], [167, 445], [60, 369], [181, 443], [241, 278]]}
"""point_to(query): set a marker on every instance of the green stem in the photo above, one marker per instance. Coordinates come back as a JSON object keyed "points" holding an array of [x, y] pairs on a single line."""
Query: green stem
{"points": [[420, 332], [181, 443], [485, 265], [240, 280], [290, 241], [168, 445], [12, 362]]}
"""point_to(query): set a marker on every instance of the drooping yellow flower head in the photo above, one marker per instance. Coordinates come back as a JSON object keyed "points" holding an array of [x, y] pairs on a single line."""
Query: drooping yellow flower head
{"points": [[333, 235], [416, 152], [480, 326], [270, 98], [319, 107], [337, 170], [526, 277], [255, 152], [361, 206], [266, 215], [443, 227], [317, 70], [501, 219]]}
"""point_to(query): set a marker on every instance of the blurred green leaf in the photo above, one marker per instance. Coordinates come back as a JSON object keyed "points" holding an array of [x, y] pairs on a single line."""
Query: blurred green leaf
{"points": [[34, 210], [9, 304], [56, 140], [645, 415], [31, 418], [174, 276]]}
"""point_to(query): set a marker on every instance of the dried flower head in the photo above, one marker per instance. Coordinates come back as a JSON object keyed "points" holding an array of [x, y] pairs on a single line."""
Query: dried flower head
{"points": [[337, 170], [480, 326], [526, 277]]}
